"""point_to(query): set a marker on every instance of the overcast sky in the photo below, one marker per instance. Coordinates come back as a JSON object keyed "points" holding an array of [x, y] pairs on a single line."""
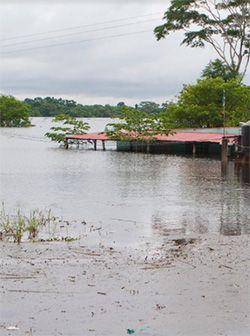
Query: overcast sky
{"points": [[98, 51]]}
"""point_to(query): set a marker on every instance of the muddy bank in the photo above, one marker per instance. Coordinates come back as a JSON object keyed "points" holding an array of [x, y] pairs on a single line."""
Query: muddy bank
{"points": [[179, 287]]}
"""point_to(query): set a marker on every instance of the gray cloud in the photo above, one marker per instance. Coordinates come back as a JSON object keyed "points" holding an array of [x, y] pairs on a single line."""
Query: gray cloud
{"points": [[118, 88], [104, 68]]}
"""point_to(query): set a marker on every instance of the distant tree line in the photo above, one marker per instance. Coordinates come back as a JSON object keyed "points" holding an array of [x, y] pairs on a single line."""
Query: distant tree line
{"points": [[218, 98], [51, 107]]}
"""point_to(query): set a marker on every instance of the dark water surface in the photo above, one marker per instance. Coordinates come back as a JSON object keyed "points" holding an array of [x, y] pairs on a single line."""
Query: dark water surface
{"points": [[130, 195]]}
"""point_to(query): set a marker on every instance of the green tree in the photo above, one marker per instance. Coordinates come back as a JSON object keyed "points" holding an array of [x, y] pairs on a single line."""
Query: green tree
{"points": [[13, 112], [201, 105], [68, 126], [149, 107], [121, 104], [137, 125], [223, 24], [50, 107], [217, 68]]}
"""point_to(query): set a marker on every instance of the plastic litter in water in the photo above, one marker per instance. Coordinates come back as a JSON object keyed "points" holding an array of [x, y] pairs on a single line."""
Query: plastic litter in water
{"points": [[12, 328], [130, 331]]}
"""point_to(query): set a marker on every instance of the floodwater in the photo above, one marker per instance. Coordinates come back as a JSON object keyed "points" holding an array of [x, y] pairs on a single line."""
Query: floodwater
{"points": [[130, 195], [130, 211]]}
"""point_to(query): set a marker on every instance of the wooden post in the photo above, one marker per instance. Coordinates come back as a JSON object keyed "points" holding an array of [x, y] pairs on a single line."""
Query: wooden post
{"points": [[224, 150], [224, 155], [95, 144], [130, 146], [245, 169], [194, 149], [66, 144], [103, 145]]}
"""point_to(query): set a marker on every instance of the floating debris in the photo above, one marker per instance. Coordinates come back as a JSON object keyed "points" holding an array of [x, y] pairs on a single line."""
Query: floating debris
{"points": [[101, 293], [130, 331], [184, 241], [12, 328]]}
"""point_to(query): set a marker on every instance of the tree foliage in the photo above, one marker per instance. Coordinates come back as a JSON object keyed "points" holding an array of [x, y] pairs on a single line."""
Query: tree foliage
{"points": [[137, 125], [149, 107], [223, 24], [50, 107], [201, 105], [217, 68], [68, 126], [14, 113]]}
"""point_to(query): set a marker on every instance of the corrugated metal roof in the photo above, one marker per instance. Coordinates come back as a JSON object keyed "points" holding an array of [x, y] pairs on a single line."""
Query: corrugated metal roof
{"points": [[176, 137]]}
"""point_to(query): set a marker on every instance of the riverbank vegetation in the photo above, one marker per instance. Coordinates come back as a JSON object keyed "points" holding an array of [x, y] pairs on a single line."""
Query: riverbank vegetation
{"points": [[15, 227], [37, 226], [14, 113], [211, 102]]}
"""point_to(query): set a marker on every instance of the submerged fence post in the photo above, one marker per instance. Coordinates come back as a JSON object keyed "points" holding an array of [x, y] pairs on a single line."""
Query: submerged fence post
{"points": [[147, 148], [66, 144], [224, 154], [103, 145], [194, 149]]}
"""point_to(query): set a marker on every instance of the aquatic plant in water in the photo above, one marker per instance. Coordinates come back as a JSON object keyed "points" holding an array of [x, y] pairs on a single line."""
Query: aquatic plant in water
{"points": [[16, 226]]}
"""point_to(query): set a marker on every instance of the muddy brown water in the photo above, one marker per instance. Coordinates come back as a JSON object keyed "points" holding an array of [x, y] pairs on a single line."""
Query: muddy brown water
{"points": [[129, 270], [119, 191]]}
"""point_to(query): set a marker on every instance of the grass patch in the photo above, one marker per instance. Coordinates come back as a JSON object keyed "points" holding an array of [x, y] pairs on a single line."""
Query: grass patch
{"points": [[18, 226]]}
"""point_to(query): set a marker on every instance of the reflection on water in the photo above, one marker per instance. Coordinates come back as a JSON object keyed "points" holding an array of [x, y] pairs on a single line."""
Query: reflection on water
{"points": [[130, 195], [243, 173], [233, 219]]}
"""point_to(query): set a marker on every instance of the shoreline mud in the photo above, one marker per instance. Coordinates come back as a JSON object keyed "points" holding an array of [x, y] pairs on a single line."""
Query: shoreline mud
{"points": [[181, 286]]}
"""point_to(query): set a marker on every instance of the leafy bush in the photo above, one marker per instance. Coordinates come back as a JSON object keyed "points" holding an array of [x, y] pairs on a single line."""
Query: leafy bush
{"points": [[72, 126], [137, 125], [14, 113], [201, 104]]}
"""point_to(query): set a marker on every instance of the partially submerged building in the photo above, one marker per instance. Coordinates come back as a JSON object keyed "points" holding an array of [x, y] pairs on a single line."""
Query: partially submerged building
{"points": [[204, 142]]}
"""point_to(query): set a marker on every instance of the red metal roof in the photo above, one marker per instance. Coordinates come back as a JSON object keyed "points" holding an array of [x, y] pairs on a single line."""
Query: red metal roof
{"points": [[89, 136], [176, 137]]}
